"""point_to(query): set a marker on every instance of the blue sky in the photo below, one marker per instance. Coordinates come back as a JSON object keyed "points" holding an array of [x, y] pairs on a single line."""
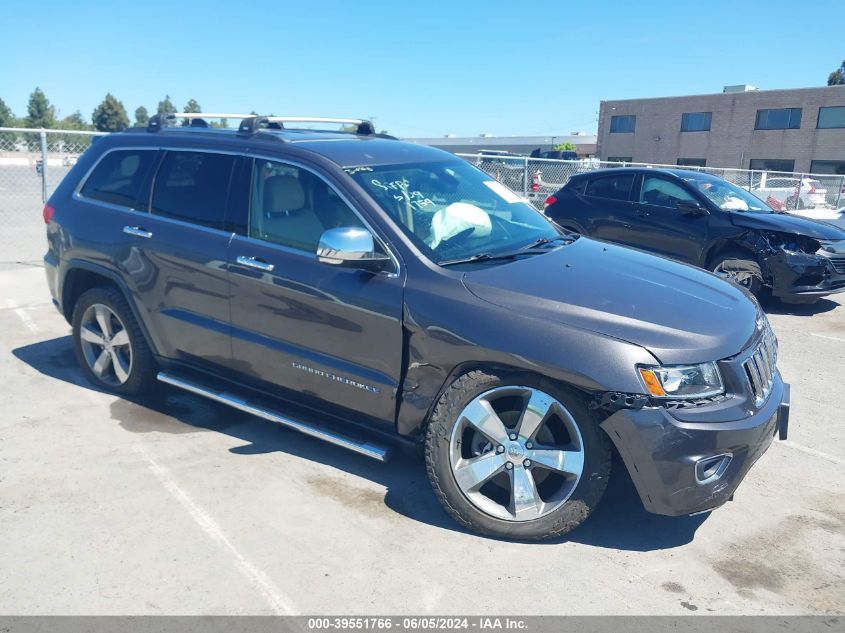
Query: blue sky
{"points": [[419, 68]]}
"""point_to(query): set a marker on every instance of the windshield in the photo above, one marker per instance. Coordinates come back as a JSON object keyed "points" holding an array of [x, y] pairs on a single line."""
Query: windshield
{"points": [[726, 195], [453, 211]]}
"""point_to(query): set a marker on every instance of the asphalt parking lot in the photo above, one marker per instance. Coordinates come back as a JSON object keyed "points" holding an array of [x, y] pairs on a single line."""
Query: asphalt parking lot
{"points": [[175, 505]]}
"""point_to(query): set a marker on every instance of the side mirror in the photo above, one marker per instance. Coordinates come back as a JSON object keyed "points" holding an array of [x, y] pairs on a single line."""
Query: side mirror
{"points": [[351, 248], [691, 207]]}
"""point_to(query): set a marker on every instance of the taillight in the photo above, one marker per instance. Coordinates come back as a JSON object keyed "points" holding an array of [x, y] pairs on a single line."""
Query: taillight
{"points": [[549, 201], [48, 213]]}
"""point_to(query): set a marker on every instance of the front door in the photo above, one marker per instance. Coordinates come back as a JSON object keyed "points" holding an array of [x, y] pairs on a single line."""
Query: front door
{"points": [[661, 227], [331, 333]]}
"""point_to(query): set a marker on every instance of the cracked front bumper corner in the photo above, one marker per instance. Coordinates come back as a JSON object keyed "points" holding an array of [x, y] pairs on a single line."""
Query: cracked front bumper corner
{"points": [[670, 461]]}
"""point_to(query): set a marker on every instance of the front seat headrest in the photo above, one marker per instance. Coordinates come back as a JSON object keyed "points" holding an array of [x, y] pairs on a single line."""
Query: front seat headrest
{"points": [[283, 194]]}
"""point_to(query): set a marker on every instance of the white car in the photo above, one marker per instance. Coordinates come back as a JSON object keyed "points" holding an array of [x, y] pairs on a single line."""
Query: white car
{"points": [[810, 193]]}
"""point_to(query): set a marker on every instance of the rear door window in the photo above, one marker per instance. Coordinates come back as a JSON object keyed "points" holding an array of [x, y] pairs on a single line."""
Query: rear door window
{"points": [[119, 177], [617, 187], [193, 187]]}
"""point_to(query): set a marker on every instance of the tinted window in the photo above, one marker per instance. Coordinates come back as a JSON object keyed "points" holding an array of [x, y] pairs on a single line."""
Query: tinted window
{"points": [[695, 121], [292, 206], [620, 159], [624, 123], [663, 193], [831, 117], [192, 186], [692, 162], [781, 119], [119, 176], [616, 187], [828, 167], [772, 164]]}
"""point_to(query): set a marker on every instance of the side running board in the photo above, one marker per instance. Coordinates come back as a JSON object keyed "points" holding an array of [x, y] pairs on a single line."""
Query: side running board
{"points": [[379, 453]]}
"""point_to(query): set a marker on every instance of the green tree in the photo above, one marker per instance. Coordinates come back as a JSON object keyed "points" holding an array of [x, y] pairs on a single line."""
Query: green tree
{"points": [[837, 77], [71, 142], [221, 123], [565, 147], [110, 115], [39, 111], [74, 121], [166, 106], [142, 117], [193, 107], [7, 119]]}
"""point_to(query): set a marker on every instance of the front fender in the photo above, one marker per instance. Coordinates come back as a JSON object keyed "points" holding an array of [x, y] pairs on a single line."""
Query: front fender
{"points": [[439, 350]]}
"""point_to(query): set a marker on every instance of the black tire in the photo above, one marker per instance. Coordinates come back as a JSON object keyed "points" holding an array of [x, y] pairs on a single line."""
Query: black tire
{"points": [[582, 500], [143, 368], [742, 263]]}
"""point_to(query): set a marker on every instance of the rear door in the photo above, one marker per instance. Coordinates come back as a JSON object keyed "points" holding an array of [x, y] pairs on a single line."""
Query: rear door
{"points": [[607, 210], [661, 227], [326, 332], [177, 262]]}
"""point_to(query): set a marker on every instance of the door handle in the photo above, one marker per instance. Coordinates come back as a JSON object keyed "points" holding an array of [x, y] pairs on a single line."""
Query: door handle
{"points": [[137, 231], [254, 262]]}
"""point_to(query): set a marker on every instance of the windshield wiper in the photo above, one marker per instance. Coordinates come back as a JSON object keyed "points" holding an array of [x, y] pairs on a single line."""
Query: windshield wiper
{"points": [[528, 249]]}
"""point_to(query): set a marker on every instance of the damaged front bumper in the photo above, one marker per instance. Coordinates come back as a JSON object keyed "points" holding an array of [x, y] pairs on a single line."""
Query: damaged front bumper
{"points": [[797, 275], [682, 467]]}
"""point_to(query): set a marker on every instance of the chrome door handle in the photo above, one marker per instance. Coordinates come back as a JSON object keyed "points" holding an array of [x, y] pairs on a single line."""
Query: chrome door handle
{"points": [[137, 231], [254, 262]]}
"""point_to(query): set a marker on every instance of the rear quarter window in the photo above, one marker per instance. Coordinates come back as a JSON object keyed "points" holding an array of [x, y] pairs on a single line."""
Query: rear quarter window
{"points": [[119, 177]]}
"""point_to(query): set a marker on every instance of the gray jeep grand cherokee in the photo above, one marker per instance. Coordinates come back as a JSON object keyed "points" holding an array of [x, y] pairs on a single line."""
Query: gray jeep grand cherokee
{"points": [[375, 293]]}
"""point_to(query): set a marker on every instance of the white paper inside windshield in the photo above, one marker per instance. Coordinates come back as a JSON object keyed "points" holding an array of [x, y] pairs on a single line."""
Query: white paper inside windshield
{"points": [[504, 193]]}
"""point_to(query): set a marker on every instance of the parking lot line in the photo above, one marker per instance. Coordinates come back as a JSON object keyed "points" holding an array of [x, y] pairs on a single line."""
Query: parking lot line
{"points": [[280, 604], [829, 338], [812, 451], [27, 320]]}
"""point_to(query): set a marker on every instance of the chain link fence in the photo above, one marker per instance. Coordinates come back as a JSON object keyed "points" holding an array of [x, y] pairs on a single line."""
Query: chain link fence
{"points": [[32, 164], [820, 196]]}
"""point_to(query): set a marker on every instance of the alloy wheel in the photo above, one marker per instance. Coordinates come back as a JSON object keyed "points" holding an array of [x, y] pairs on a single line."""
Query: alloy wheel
{"points": [[516, 453], [105, 344]]}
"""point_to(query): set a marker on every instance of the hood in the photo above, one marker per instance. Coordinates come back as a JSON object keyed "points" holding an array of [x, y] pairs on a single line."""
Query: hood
{"points": [[679, 313], [786, 223]]}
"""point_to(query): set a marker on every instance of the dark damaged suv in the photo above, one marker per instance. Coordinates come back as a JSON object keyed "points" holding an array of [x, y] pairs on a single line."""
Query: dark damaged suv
{"points": [[709, 222], [374, 294]]}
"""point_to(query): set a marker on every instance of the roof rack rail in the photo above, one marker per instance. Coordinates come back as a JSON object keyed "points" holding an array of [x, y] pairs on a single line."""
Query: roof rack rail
{"points": [[197, 119], [254, 124]]}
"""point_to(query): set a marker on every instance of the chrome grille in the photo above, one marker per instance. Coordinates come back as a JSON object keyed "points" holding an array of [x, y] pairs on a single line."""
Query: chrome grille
{"points": [[838, 264], [761, 367]]}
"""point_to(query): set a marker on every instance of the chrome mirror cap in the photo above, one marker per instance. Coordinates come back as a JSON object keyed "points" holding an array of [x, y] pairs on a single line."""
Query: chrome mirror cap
{"points": [[350, 247]]}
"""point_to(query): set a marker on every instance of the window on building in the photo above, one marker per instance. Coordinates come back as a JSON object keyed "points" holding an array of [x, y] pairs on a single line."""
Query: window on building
{"points": [[119, 176], [828, 167], [831, 117], [696, 121], [780, 119], [616, 187], [692, 162], [623, 123], [620, 159], [772, 164], [192, 186]]}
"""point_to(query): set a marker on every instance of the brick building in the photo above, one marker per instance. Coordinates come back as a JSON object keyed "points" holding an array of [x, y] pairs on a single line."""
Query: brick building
{"points": [[784, 130]]}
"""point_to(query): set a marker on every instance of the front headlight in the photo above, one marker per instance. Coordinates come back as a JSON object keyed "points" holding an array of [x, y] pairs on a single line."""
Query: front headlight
{"points": [[682, 381]]}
